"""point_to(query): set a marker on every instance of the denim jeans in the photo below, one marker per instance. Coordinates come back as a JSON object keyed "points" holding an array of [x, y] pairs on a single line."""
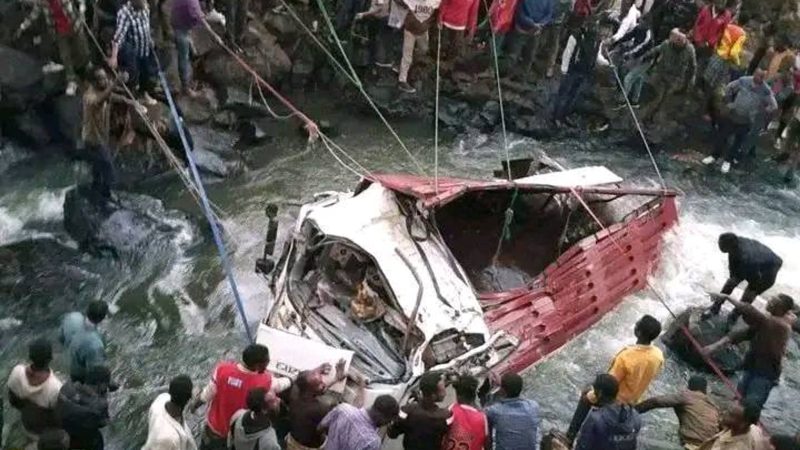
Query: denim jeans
{"points": [[634, 82], [568, 92], [142, 70], [183, 45], [756, 388]]}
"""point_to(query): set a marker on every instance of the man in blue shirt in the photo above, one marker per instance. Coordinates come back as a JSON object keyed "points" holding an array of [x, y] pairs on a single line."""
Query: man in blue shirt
{"points": [[84, 344], [75, 322], [513, 421], [611, 425]]}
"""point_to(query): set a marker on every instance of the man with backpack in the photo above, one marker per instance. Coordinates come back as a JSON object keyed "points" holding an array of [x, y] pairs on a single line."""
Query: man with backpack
{"points": [[611, 425]]}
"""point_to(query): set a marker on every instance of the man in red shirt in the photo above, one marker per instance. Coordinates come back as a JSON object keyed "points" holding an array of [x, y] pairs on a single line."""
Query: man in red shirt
{"points": [[469, 429], [64, 18], [227, 391], [708, 29]]}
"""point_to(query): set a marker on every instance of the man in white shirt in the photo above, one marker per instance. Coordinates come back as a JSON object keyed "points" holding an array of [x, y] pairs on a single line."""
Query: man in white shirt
{"points": [[33, 390], [166, 426]]}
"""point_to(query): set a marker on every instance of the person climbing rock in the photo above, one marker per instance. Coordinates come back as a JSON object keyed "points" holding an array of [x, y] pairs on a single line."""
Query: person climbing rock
{"points": [[768, 335], [673, 71], [748, 260]]}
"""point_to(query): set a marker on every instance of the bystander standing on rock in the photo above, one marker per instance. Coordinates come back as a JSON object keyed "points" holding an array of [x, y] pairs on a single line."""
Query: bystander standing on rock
{"points": [[65, 20], [133, 49]]}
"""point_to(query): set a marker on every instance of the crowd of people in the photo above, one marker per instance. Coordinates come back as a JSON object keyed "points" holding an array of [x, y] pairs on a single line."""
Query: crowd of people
{"points": [[661, 50], [249, 408]]}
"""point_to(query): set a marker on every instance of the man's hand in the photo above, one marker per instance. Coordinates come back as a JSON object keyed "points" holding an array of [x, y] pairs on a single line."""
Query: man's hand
{"points": [[360, 16], [112, 62], [18, 33], [140, 108], [718, 297], [340, 372], [325, 368]]}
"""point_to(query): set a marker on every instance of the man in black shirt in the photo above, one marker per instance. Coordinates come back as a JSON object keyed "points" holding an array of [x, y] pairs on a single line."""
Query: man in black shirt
{"points": [[423, 424], [748, 260], [308, 406]]}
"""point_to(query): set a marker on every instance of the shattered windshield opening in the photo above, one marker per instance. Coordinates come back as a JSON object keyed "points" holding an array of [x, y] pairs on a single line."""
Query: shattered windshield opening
{"points": [[542, 227], [343, 297]]}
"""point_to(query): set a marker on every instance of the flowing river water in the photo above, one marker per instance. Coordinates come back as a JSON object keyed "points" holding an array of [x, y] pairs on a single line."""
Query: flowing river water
{"points": [[173, 313]]}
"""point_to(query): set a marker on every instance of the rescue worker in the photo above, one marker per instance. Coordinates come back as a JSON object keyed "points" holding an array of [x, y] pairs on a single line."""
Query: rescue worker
{"points": [[748, 260]]}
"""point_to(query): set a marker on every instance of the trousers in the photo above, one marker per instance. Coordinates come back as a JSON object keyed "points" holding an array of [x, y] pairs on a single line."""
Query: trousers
{"points": [[568, 92], [410, 42]]}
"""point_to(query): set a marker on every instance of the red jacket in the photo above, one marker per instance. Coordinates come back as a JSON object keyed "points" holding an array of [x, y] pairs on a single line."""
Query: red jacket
{"points": [[232, 385], [708, 28], [501, 15], [585, 8], [459, 14]]}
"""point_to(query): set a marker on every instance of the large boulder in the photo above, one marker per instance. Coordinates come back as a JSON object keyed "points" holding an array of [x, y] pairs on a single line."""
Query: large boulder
{"points": [[20, 79], [132, 227], [705, 332], [261, 51]]}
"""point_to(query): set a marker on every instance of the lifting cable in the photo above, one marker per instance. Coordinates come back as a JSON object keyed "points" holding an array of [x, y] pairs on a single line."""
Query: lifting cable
{"points": [[354, 78], [162, 145], [499, 92], [697, 346], [636, 121], [215, 230]]}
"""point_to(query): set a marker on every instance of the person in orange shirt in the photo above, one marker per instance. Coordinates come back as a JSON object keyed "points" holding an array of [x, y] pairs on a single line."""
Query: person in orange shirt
{"points": [[634, 367]]}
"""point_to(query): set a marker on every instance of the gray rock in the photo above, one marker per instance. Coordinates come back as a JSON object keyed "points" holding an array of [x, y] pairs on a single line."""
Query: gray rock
{"points": [[705, 333], [132, 227], [210, 163], [20, 79]]}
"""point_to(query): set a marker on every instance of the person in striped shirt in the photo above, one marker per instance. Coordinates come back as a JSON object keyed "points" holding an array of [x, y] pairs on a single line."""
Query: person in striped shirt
{"points": [[132, 48]]}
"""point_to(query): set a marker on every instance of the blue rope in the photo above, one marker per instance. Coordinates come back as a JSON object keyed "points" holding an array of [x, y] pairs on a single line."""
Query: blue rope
{"points": [[223, 253]]}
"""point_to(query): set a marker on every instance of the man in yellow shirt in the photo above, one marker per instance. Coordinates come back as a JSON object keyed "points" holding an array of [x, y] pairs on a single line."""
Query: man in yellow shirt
{"points": [[634, 367]]}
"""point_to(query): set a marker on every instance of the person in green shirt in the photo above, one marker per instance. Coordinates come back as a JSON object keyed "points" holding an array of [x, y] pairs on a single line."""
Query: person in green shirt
{"points": [[84, 344]]}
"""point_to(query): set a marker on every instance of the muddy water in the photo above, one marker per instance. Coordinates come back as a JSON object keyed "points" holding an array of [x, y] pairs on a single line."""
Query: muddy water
{"points": [[179, 318]]}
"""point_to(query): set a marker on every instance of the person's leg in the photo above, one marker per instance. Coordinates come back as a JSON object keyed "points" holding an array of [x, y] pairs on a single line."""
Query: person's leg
{"points": [[553, 46], [409, 41], [722, 137], [660, 88], [757, 389], [183, 48], [740, 134], [149, 73], [579, 416], [574, 93], [128, 62], [241, 20], [529, 57], [517, 41], [561, 96], [231, 11], [65, 54]]}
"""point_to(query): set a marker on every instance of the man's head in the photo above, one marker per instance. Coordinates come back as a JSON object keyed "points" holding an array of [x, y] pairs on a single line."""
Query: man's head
{"points": [[101, 81], [139, 4], [466, 388], [677, 38], [259, 399], [738, 418], [310, 382], [384, 411], [698, 384], [99, 377], [647, 329], [780, 305], [53, 439], [606, 388], [728, 242], [256, 357], [97, 310], [180, 390], [759, 76], [511, 385], [431, 385], [40, 353]]}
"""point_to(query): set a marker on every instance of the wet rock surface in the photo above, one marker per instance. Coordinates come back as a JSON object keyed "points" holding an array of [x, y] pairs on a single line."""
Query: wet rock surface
{"points": [[705, 332], [128, 226]]}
